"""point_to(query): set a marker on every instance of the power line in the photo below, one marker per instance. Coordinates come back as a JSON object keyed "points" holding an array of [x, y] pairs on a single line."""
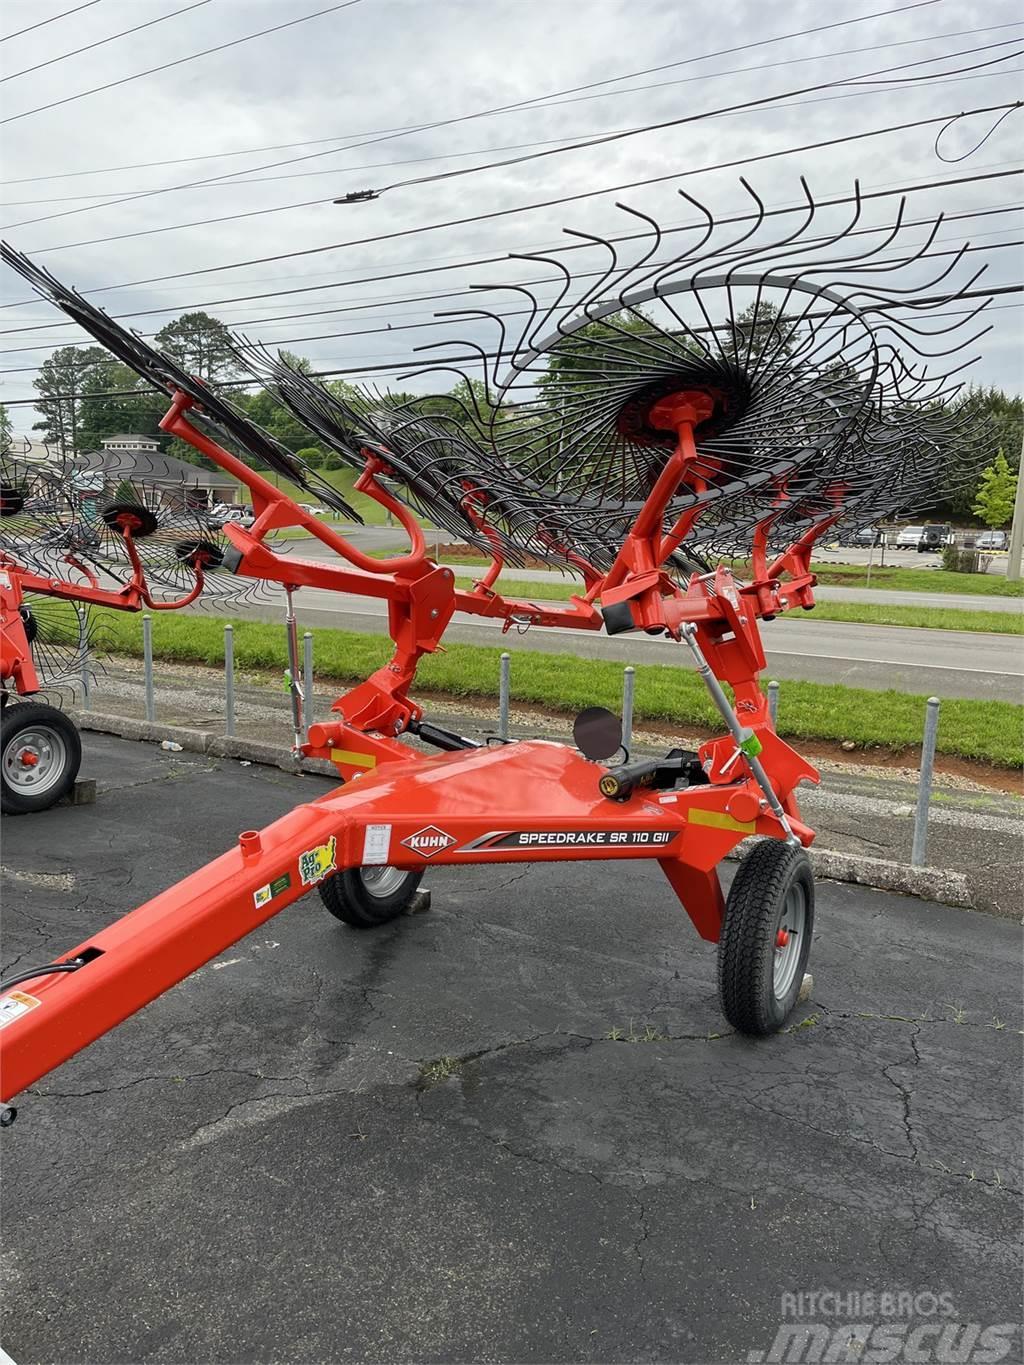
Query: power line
{"points": [[520, 312], [462, 293], [389, 134], [166, 66], [52, 20], [101, 41], [344, 170], [745, 105], [524, 208], [494, 260], [403, 369], [303, 175], [311, 203]]}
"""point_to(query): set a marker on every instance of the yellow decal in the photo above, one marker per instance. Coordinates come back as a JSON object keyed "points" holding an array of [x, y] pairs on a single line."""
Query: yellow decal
{"points": [[353, 759], [15, 1005], [315, 863], [718, 819]]}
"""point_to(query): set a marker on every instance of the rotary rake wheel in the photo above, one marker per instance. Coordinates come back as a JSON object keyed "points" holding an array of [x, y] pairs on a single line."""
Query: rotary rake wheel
{"points": [[747, 390]]}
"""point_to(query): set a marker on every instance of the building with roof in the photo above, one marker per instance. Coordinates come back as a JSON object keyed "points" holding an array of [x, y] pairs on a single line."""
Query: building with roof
{"points": [[132, 458]]}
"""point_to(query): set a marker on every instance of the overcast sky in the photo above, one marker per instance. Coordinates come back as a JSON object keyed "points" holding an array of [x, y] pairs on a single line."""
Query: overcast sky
{"points": [[379, 65]]}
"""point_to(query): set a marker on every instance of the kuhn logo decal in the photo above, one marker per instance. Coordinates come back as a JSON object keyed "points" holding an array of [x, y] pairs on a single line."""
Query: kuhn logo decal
{"points": [[429, 841]]}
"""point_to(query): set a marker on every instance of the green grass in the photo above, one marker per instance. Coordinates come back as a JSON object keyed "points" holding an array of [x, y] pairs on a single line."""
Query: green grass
{"points": [[341, 479], [866, 613], [990, 731]]}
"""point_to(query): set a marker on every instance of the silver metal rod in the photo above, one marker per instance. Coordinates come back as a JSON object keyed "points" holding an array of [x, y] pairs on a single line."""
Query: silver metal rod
{"points": [[628, 690], [307, 677], [773, 704], [739, 734], [147, 665], [294, 677], [504, 687], [919, 849], [229, 680]]}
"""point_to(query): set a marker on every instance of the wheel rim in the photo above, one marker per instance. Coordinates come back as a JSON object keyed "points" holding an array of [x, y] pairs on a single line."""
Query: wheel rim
{"points": [[789, 937], [35, 760], [383, 881]]}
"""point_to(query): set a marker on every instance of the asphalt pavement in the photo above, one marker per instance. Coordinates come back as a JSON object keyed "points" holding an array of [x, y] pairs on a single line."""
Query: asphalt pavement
{"points": [[513, 1128]]}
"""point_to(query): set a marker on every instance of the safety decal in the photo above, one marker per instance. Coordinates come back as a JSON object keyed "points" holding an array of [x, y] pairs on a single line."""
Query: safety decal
{"points": [[574, 838], [429, 841], [16, 1004], [376, 845], [272, 889], [315, 863]]}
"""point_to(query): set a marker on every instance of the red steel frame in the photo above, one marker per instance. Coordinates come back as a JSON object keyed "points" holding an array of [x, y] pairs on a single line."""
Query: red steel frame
{"points": [[532, 801]]}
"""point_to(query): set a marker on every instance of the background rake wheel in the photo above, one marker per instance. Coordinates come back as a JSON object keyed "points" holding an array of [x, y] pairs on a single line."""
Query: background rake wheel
{"points": [[766, 937], [365, 897], [40, 754]]}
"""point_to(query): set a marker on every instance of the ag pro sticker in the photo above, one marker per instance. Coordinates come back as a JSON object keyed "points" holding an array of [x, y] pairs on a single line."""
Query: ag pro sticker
{"points": [[316, 863]]}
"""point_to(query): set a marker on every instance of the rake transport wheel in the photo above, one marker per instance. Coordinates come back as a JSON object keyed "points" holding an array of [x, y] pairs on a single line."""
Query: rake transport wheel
{"points": [[766, 937], [367, 896], [40, 754]]}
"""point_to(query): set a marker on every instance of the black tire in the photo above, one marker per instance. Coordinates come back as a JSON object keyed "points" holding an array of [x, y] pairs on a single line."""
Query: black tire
{"points": [[759, 979], [48, 734], [365, 897]]}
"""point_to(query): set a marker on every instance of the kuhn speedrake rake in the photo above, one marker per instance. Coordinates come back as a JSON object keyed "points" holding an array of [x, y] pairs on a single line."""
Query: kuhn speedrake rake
{"points": [[746, 392]]}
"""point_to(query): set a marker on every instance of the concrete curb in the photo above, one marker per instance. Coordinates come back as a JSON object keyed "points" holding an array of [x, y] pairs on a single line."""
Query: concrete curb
{"points": [[928, 883]]}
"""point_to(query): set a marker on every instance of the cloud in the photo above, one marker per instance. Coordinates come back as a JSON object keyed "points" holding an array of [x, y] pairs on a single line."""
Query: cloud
{"points": [[382, 65]]}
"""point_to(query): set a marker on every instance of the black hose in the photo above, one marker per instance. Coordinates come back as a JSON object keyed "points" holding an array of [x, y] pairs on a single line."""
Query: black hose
{"points": [[49, 970]]}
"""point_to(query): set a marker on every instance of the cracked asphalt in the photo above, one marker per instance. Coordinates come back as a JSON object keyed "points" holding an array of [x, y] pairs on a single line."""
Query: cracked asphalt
{"points": [[512, 1129]]}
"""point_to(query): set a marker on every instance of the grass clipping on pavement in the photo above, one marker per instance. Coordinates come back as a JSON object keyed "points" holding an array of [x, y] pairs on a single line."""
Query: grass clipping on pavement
{"points": [[987, 731]]}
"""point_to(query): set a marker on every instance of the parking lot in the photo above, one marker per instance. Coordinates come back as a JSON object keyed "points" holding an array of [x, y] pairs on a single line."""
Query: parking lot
{"points": [[511, 1129]]}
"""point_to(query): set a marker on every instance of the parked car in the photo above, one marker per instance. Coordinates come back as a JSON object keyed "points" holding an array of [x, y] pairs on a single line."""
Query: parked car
{"points": [[313, 509], [991, 540], [909, 538], [234, 516], [869, 535], [933, 538]]}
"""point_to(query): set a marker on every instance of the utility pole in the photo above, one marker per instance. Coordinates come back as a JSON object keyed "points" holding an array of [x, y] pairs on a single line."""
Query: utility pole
{"points": [[1013, 558]]}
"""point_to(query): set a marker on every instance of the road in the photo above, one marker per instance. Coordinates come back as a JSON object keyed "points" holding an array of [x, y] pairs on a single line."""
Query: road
{"points": [[261, 1167], [945, 663]]}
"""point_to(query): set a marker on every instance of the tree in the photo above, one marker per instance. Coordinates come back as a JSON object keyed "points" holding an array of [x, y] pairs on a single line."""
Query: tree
{"points": [[760, 328], [201, 345], [311, 455], [6, 430], [107, 410], [995, 493], [62, 374], [995, 422]]}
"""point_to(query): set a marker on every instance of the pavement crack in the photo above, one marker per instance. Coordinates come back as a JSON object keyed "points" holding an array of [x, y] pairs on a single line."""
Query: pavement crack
{"points": [[905, 1094], [643, 1233]]}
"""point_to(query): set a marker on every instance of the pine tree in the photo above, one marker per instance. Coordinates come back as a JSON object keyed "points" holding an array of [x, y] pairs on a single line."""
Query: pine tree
{"points": [[994, 498]]}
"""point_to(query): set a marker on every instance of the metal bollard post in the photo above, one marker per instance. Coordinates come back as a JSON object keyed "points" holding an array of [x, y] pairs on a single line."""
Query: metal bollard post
{"points": [[773, 703], [919, 849], [83, 637], [147, 665], [503, 695], [307, 677], [628, 688], [229, 680]]}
